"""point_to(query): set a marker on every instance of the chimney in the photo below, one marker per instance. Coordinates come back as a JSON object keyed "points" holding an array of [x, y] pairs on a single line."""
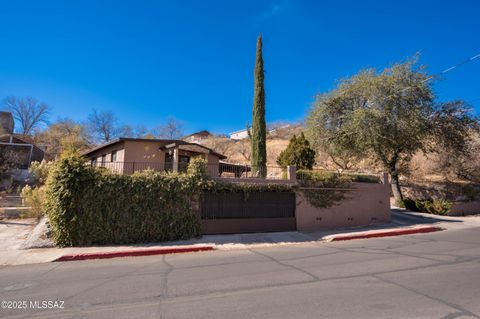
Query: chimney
{"points": [[6, 123]]}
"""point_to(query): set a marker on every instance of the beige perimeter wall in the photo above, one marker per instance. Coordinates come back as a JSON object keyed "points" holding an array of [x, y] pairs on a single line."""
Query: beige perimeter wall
{"points": [[465, 208], [365, 204]]}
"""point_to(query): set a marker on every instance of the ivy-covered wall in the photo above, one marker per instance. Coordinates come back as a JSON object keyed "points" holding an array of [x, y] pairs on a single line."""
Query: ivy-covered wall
{"points": [[86, 206]]}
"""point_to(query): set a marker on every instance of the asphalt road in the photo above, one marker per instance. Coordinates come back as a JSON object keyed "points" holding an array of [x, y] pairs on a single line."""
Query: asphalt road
{"points": [[434, 275]]}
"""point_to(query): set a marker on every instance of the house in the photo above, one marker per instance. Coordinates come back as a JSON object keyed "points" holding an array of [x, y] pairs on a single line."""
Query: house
{"points": [[128, 155], [243, 134], [239, 135], [197, 137], [17, 149]]}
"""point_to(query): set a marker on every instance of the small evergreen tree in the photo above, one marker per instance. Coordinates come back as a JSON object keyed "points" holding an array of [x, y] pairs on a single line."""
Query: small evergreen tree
{"points": [[298, 153], [259, 130]]}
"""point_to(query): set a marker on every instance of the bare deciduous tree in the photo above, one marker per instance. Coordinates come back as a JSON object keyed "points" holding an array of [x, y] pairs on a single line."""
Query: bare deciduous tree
{"points": [[172, 129], [138, 131], [220, 144], [28, 112], [103, 126], [244, 149]]}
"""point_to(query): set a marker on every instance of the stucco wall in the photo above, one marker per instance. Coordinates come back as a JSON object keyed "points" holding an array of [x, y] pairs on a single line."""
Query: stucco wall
{"points": [[465, 208], [108, 150], [365, 204]]}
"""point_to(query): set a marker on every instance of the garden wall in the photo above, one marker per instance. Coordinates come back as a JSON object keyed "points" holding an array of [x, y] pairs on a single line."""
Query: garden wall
{"points": [[465, 208], [365, 204]]}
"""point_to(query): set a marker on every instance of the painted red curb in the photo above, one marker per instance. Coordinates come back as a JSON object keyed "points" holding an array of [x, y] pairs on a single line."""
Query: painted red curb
{"points": [[131, 253], [389, 233]]}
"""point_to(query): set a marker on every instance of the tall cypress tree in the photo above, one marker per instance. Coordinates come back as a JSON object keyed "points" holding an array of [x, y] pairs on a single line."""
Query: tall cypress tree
{"points": [[259, 129]]}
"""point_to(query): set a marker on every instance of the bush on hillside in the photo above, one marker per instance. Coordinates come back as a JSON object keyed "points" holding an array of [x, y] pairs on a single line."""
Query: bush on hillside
{"points": [[298, 153], [429, 206]]}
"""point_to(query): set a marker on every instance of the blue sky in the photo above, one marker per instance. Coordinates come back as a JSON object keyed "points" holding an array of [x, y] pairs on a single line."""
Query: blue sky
{"points": [[147, 60]]}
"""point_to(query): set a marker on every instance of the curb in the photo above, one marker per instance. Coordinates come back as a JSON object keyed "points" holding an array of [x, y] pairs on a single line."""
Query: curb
{"points": [[132, 253], [396, 232]]}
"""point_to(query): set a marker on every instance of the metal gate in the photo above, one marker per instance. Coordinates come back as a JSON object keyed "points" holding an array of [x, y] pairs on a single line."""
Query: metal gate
{"points": [[226, 213]]}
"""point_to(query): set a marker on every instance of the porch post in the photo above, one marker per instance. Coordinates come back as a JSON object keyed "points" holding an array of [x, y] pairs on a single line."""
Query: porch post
{"points": [[175, 159], [292, 173]]}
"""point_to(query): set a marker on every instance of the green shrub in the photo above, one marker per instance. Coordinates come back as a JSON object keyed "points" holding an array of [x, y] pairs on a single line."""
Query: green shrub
{"points": [[35, 199], [430, 206], [86, 206], [437, 207], [219, 187], [333, 177], [298, 153], [197, 168], [323, 179], [40, 170], [363, 178]]}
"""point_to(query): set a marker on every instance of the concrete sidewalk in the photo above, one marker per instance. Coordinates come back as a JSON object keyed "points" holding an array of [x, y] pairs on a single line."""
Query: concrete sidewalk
{"points": [[14, 232]]}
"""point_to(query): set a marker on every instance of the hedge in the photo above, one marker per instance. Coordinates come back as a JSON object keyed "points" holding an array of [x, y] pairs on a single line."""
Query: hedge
{"points": [[87, 206], [328, 177]]}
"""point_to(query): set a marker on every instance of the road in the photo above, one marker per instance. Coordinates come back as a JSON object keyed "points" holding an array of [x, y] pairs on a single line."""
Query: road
{"points": [[434, 275]]}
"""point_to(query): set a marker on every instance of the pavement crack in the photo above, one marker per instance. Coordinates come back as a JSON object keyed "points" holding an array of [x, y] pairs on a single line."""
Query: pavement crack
{"points": [[314, 277], [462, 310], [164, 289]]}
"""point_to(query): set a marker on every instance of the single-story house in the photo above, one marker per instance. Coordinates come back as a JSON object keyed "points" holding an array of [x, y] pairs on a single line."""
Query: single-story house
{"points": [[197, 137], [128, 155]]}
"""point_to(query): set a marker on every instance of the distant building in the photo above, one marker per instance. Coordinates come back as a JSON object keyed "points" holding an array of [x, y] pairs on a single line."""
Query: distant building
{"points": [[197, 137], [239, 135], [242, 134], [18, 148]]}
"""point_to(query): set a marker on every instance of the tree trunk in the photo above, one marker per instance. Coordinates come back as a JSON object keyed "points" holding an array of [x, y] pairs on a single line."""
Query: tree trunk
{"points": [[396, 190]]}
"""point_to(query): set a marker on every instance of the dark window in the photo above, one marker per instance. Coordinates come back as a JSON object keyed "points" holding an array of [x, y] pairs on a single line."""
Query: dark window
{"points": [[93, 162], [183, 163], [113, 157], [104, 159], [168, 161]]}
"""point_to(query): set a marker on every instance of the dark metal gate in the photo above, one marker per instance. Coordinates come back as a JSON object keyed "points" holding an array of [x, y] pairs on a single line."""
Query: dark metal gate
{"points": [[247, 212]]}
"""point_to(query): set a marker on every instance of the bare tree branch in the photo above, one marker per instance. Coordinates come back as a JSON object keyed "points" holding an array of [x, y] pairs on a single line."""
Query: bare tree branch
{"points": [[28, 112]]}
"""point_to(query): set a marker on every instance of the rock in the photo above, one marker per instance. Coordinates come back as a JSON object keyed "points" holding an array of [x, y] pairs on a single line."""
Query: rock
{"points": [[40, 237]]}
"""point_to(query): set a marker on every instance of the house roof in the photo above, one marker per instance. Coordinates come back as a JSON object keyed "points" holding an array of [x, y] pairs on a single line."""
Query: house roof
{"points": [[166, 142], [200, 133], [15, 141]]}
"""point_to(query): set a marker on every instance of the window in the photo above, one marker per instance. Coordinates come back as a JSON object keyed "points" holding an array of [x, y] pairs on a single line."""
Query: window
{"points": [[113, 157], [104, 159], [93, 162]]}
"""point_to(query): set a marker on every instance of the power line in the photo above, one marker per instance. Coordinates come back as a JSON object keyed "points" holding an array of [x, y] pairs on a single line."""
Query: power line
{"points": [[453, 67]]}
